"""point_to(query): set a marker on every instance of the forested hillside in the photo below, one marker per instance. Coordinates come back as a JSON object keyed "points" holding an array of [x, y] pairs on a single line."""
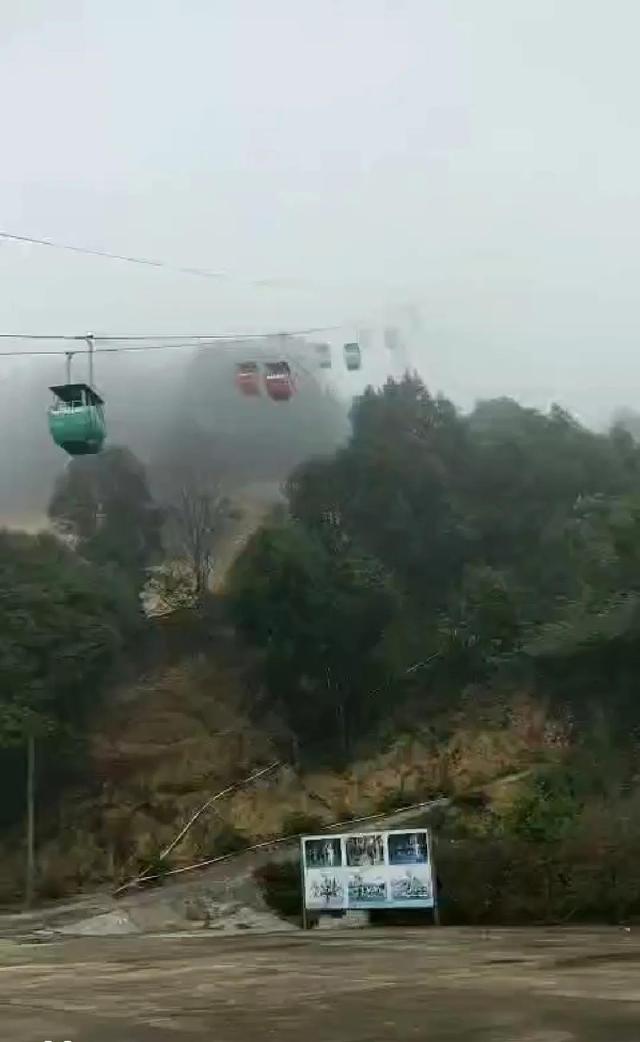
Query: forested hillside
{"points": [[463, 587], [438, 552]]}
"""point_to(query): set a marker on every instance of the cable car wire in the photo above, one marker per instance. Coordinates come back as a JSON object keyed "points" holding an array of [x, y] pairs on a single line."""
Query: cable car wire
{"points": [[217, 336], [268, 282], [148, 262], [132, 343], [193, 343], [40, 336]]}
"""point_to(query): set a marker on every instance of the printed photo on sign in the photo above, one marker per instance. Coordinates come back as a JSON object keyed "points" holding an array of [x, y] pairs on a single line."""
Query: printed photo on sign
{"points": [[364, 851], [324, 890], [367, 889], [322, 853], [408, 848], [412, 885]]}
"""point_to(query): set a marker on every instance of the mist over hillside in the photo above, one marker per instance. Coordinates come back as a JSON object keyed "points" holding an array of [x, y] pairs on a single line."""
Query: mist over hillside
{"points": [[176, 410]]}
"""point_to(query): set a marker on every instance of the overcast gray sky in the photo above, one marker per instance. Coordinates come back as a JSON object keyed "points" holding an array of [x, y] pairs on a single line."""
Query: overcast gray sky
{"points": [[481, 157]]}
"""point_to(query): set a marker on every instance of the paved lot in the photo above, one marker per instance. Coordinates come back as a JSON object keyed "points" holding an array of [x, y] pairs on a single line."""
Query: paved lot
{"points": [[335, 986]]}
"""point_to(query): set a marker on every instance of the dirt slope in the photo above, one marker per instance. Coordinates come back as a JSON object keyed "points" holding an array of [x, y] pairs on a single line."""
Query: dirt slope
{"points": [[254, 502]]}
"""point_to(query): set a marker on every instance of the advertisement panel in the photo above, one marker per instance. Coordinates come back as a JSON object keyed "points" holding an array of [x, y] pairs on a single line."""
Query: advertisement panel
{"points": [[384, 869]]}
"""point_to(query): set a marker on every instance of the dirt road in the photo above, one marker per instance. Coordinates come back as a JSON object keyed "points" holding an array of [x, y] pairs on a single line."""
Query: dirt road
{"points": [[352, 986]]}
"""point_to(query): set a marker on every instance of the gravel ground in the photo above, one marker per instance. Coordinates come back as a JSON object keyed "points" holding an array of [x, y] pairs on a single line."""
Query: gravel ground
{"points": [[362, 986]]}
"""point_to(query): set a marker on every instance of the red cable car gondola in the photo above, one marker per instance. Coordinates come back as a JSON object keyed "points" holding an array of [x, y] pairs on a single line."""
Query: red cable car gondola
{"points": [[278, 381], [248, 378]]}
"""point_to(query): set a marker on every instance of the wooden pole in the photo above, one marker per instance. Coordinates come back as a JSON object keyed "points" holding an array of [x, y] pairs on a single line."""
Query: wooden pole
{"points": [[305, 923], [30, 864], [434, 879]]}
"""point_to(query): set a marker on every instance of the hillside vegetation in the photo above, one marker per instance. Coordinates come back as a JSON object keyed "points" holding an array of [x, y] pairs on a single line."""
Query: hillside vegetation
{"points": [[444, 601]]}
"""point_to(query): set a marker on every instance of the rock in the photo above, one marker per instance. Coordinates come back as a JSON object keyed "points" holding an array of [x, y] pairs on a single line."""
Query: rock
{"points": [[109, 924]]}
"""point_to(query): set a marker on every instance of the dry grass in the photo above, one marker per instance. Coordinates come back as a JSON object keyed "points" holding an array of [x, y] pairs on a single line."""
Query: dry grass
{"points": [[168, 743], [413, 768]]}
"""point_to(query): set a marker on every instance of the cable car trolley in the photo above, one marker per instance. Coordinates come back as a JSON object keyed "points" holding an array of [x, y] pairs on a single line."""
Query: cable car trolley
{"points": [[76, 416], [278, 381], [323, 356], [248, 378], [352, 358]]}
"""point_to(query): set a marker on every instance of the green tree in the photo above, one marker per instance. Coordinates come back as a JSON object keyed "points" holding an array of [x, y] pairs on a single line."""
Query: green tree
{"points": [[480, 628], [318, 609], [104, 505], [589, 649], [528, 472], [394, 488], [511, 536], [62, 624]]}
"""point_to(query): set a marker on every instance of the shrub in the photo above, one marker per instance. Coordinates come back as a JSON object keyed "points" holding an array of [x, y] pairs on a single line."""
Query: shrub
{"points": [[547, 810], [298, 822], [578, 869], [393, 800], [281, 886], [229, 840]]}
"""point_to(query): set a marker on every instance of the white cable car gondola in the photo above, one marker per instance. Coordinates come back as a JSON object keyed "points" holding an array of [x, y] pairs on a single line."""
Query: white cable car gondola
{"points": [[323, 356], [352, 358]]}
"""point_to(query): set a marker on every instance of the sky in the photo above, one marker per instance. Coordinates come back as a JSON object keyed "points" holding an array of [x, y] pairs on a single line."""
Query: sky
{"points": [[476, 159]]}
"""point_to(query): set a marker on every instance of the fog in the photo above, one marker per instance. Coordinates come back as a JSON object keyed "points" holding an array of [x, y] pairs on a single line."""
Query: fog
{"points": [[477, 161]]}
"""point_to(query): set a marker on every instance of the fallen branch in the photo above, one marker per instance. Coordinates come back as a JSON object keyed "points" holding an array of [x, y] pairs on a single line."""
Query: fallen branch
{"points": [[427, 805], [143, 877], [218, 796]]}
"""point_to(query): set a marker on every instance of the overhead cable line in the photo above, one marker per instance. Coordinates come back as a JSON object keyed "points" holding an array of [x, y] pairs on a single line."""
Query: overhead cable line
{"points": [[102, 350], [40, 336], [133, 348], [266, 282], [133, 343], [218, 336], [145, 261], [270, 282]]}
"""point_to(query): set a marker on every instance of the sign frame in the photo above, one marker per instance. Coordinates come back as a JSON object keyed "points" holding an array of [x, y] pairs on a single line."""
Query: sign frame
{"points": [[368, 869]]}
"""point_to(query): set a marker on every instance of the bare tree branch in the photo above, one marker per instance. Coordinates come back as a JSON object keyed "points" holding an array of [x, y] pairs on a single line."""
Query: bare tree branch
{"points": [[196, 520]]}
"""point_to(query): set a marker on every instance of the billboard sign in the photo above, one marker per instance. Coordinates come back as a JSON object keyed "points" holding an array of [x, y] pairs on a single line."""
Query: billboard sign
{"points": [[385, 869]]}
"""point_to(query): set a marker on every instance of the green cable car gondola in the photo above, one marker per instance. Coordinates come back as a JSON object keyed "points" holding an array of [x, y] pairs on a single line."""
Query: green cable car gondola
{"points": [[76, 419]]}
